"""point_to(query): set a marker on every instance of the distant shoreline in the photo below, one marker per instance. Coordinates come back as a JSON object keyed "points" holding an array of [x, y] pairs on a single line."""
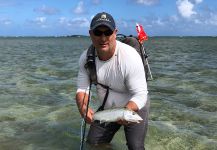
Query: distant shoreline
{"points": [[78, 36], [87, 36]]}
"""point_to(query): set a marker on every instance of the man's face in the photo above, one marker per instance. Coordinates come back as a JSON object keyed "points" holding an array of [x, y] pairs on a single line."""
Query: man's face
{"points": [[103, 38]]}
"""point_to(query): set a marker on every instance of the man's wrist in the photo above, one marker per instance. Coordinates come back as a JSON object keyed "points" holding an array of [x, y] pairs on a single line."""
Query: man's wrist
{"points": [[82, 109], [132, 106]]}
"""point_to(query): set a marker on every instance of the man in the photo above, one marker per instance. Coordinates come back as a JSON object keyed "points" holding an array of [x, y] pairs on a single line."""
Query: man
{"points": [[119, 67]]}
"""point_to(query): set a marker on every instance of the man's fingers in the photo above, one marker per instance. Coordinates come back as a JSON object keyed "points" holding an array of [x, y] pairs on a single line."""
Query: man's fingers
{"points": [[89, 117], [122, 122]]}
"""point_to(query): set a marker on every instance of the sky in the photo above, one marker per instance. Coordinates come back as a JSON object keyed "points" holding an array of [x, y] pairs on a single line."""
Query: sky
{"points": [[73, 17]]}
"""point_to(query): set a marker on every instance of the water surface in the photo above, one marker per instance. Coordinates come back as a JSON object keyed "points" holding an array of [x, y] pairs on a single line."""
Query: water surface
{"points": [[38, 85]]}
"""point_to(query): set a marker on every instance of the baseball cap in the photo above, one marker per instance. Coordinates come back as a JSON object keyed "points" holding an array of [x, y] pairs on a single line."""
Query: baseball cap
{"points": [[102, 19]]}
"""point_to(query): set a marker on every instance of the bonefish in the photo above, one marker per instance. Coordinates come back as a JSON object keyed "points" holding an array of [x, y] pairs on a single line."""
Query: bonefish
{"points": [[113, 115]]}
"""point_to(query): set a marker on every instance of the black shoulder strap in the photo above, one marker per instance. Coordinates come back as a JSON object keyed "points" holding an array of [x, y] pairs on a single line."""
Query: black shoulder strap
{"points": [[105, 98], [91, 68], [90, 64]]}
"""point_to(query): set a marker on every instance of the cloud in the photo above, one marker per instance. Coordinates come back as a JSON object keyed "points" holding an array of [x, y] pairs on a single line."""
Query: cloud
{"points": [[39, 21], [173, 18], [123, 23], [47, 10], [202, 18], [212, 20], [197, 21], [185, 8], [75, 22], [159, 22], [8, 3], [79, 9], [198, 1], [5, 22], [146, 2]]}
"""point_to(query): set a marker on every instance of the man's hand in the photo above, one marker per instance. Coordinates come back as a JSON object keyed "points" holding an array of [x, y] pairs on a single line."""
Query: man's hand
{"points": [[82, 100], [90, 113], [123, 122], [132, 106]]}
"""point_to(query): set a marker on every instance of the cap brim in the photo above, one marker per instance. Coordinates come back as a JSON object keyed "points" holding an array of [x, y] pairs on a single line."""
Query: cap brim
{"points": [[103, 24]]}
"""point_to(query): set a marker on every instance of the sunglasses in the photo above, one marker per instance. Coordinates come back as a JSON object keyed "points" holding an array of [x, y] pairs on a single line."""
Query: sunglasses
{"points": [[100, 33]]}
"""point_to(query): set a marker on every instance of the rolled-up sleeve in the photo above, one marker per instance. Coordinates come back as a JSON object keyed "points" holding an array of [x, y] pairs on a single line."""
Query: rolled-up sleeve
{"points": [[83, 78]]}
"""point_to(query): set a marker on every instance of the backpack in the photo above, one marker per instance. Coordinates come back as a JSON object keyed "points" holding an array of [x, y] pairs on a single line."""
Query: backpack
{"points": [[91, 67], [129, 40], [134, 42]]}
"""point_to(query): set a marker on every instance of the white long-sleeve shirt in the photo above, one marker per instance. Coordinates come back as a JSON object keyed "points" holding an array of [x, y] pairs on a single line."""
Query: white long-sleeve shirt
{"points": [[123, 73]]}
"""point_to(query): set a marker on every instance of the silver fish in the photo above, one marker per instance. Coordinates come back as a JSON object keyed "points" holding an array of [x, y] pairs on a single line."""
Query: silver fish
{"points": [[113, 115]]}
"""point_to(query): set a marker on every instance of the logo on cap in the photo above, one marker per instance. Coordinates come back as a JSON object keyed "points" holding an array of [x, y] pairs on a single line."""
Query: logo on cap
{"points": [[103, 18]]}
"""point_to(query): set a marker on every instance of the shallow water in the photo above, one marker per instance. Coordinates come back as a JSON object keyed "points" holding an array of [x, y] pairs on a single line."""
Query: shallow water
{"points": [[38, 84]]}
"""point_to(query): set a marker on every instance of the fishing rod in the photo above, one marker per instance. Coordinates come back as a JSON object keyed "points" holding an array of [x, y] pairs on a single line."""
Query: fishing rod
{"points": [[142, 36], [84, 122], [146, 59]]}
